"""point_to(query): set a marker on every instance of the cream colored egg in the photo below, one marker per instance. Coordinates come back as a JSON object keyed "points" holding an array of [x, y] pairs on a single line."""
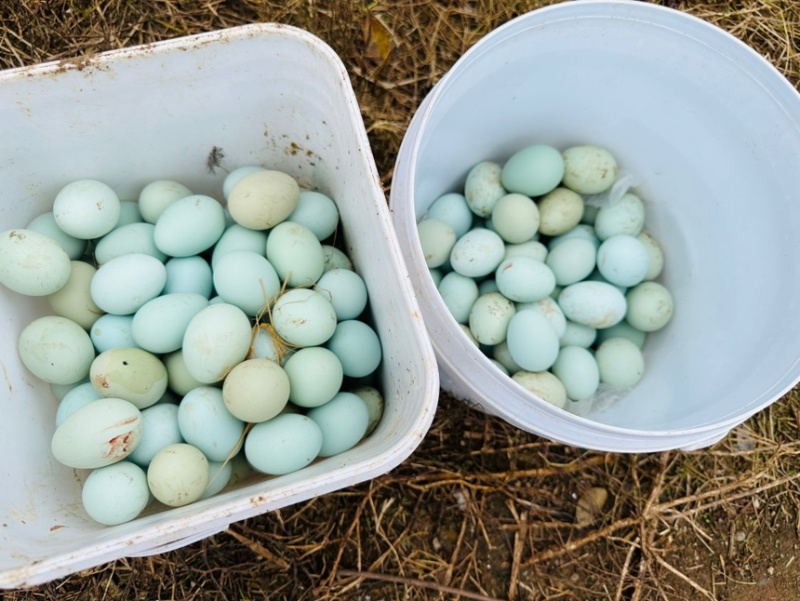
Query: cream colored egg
{"points": [[131, 374], [655, 255], [216, 339], [559, 212], [620, 362], [101, 433], [56, 350], [374, 401], [180, 381], [263, 199], [74, 300], [178, 475], [32, 263], [256, 390], [544, 385]]}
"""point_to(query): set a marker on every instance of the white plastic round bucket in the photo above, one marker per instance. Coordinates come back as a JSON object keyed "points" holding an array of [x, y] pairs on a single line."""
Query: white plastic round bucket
{"points": [[712, 130]]}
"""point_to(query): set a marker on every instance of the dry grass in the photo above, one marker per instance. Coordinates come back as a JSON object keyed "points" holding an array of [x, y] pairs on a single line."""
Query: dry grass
{"points": [[481, 510]]}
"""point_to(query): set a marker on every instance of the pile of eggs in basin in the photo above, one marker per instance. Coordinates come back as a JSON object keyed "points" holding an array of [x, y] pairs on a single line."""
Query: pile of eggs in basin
{"points": [[188, 341], [545, 263]]}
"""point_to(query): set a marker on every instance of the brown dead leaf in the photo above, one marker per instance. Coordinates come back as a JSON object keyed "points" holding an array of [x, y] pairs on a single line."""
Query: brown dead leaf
{"points": [[378, 38], [590, 506]]}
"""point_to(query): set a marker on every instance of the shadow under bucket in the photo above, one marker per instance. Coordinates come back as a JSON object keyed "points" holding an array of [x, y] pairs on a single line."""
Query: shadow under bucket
{"points": [[711, 130]]}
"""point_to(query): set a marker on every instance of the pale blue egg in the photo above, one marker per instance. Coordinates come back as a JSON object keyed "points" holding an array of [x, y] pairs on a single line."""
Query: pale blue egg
{"points": [[295, 253], [284, 444], [357, 346], [32, 264], [459, 293], [577, 369], [129, 213], [315, 376], [60, 390], [452, 208], [534, 170], [237, 237], [112, 331], [345, 290], [532, 341], [219, 474], [488, 285], [78, 397], [189, 274], [343, 421], [247, 280], [582, 230], [159, 325], [533, 249], [317, 212], [86, 209], [159, 430], [589, 214], [596, 276], [189, 226], [266, 347], [523, 279], [550, 310], [46, 224], [126, 240], [115, 494], [126, 283], [477, 253], [206, 423], [576, 334], [572, 260], [622, 330], [593, 304], [623, 260]]}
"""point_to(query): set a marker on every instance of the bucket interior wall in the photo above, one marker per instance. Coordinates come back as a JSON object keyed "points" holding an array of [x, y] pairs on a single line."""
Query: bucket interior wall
{"points": [[713, 133]]}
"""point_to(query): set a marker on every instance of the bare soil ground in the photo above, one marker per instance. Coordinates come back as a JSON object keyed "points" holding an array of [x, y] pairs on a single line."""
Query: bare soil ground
{"points": [[481, 510]]}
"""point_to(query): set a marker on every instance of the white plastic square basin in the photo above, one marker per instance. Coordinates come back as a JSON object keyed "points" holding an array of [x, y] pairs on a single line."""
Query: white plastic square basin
{"points": [[261, 94]]}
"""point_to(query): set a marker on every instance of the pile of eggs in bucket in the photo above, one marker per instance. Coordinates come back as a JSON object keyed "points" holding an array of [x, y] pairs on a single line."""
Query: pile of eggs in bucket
{"points": [[186, 340], [545, 264]]}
